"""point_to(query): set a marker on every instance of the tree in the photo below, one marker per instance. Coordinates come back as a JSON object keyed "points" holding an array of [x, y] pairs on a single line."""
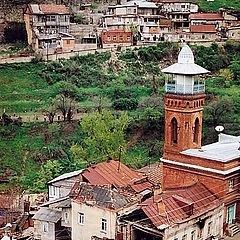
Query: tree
{"points": [[103, 135], [65, 94], [235, 69], [79, 18], [50, 110], [219, 111], [48, 171]]}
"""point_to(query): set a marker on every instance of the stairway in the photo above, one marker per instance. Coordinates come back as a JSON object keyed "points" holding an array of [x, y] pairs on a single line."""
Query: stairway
{"points": [[233, 229]]}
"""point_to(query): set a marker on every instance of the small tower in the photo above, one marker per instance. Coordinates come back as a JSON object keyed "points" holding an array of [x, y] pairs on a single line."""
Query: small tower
{"points": [[184, 100]]}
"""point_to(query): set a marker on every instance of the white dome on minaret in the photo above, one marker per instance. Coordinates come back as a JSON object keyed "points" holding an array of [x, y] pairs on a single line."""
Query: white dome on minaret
{"points": [[185, 64], [186, 55]]}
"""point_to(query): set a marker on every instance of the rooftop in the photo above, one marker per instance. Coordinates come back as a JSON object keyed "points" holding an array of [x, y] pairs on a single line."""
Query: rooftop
{"points": [[47, 215], [169, 207], [66, 176], [206, 16], [48, 9], [185, 64], [203, 29], [101, 196], [226, 149], [117, 174]]}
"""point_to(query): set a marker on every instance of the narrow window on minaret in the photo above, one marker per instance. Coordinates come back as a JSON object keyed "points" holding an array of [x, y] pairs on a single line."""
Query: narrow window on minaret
{"points": [[174, 128], [196, 131]]}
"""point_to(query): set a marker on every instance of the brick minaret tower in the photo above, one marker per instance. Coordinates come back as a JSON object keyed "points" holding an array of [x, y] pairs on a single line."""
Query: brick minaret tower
{"points": [[184, 100]]}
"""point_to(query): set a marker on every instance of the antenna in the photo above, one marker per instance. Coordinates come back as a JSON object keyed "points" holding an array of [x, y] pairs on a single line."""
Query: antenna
{"points": [[219, 129]]}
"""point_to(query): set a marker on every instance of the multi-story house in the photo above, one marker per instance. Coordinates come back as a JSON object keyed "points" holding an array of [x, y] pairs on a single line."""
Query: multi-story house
{"points": [[185, 160], [138, 17], [215, 19], [178, 11], [184, 213], [47, 27]]}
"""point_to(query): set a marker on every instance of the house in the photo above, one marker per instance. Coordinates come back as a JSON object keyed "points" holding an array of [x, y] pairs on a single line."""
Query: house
{"points": [[185, 161], [96, 209], [178, 11], [113, 38], [47, 27], [233, 33], [203, 33], [111, 178], [191, 212], [48, 222], [61, 186], [215, 19], [139, 17]]}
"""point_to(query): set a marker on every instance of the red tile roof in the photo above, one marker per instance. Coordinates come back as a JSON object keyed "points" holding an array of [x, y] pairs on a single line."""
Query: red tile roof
{"points": [[206, 16], [53, 8], [167, 208], [203, 29], [116, 174]]}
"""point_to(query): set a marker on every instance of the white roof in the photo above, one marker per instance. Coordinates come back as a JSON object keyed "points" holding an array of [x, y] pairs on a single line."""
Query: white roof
{"points": [[141, 4], [66, 175], [185, 64], [226, 149], [36, 9]]}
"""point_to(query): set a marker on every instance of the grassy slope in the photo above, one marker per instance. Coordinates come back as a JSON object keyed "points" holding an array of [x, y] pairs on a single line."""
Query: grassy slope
{"points": [[21, 87], [216, 4]]}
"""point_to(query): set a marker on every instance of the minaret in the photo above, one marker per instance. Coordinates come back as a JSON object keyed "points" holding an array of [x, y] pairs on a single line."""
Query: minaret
{"points": [[184, 100]]}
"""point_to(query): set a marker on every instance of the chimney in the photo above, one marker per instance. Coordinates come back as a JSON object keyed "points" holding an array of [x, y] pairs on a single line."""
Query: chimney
{"points": [[186, 205]]}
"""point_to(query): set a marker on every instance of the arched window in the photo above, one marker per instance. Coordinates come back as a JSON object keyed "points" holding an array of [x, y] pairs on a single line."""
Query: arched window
{"points": [[196, 131], [174, 127]]}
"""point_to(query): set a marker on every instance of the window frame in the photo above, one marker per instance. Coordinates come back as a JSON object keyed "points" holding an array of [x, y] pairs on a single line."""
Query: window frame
{"points": [[45, 227], [81, 218], [103, 225]]}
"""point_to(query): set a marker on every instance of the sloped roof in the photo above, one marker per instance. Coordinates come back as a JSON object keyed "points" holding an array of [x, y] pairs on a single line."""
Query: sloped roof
{"points": [[173, 1], [206, 16], [226, 149], [113, 173], [185, 64], [48, 9], [165, 209], [203, 28], [47, 215], [66, 175], [101, 196]]}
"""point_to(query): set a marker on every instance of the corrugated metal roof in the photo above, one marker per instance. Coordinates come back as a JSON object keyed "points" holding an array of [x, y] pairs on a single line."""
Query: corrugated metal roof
{"points": [[113, 173], [206, 16], [203, 28], [203, 200], [226, 149], [66, 175], [141, 4], [47, 215]]}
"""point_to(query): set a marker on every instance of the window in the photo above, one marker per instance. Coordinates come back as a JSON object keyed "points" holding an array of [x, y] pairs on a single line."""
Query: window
{"points": [[66, 217], [209, 231], [128, 38], [45, 226], [114, 38], [121, 38], [196, 131], [231, 185], [53, 18], [174, 128], [67, 42], [193, 235], [81, 218], [184, 237], [104, 225]]}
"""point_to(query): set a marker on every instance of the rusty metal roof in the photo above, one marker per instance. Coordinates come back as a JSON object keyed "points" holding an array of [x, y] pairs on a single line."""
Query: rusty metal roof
{"points": [[165, 209], [113, 173], [203, 28], [206, 16]]}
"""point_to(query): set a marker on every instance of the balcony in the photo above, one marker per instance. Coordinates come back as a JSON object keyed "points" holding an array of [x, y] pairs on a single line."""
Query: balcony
{"points": [[184, 89]]}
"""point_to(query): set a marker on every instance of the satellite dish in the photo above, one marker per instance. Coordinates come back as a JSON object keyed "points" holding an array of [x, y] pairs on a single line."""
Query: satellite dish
{"points": [[219, 128]]}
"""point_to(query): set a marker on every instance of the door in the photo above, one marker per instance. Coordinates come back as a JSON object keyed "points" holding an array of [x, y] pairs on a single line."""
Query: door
{"points": [[231, 211]]}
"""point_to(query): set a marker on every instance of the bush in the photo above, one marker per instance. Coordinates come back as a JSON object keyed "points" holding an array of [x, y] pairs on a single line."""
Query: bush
{"points": [[125, 104]]}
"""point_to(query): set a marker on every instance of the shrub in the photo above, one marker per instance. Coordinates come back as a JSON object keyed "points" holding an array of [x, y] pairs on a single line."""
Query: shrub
{"points": [[125, 104]]}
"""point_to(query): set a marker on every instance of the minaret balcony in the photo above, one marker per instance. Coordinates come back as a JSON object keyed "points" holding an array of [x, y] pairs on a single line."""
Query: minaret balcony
{"points": [[184, 89]]}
